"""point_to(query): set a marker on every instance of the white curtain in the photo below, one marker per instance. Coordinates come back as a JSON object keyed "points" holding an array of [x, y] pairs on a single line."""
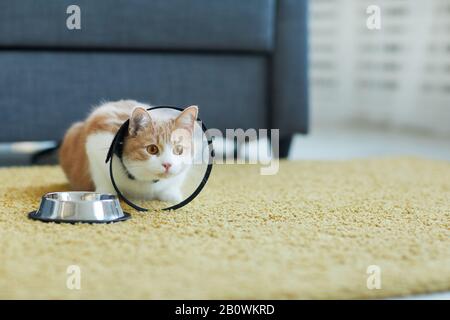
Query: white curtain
{"points": [[397, 77]]}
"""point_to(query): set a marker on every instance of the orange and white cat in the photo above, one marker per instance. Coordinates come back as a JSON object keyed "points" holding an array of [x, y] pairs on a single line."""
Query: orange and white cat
{"points": [[155, 157]]}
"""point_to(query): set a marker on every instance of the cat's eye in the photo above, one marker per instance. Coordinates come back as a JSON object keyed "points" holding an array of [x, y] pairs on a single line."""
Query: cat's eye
{"points": [[178, 149], [153, 149]]}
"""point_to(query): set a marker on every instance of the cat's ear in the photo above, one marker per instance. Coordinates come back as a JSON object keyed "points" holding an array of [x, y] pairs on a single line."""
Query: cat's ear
{"points": [[186, 119], [138, 121]]}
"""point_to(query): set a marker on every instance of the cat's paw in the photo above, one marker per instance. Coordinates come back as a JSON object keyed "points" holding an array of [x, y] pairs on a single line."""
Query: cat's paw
{"points": [[172, 196], [106, 189]]}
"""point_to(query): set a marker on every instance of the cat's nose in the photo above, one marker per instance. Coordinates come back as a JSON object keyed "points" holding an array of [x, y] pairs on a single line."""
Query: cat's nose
{"points": [[166, 166]]}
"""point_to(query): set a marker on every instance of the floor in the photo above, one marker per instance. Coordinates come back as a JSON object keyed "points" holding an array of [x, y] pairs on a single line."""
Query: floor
{"points": [[325, 144], [286, 236], [348, 143]]}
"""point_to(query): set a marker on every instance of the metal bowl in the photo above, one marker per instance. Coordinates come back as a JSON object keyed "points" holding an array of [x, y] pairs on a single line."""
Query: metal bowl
{"points": [[72, 207]]}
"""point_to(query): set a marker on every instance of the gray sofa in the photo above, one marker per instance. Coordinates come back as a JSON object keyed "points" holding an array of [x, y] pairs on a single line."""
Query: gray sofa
{"points": [[242, 61]]}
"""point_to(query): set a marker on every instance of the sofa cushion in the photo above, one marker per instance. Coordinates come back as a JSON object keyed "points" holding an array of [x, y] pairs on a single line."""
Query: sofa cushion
{"points": [[44, 92], [140, 24]]}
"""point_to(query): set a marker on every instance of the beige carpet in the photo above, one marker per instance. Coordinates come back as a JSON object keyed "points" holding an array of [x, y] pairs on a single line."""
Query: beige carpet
{"points": [[309, 232]]}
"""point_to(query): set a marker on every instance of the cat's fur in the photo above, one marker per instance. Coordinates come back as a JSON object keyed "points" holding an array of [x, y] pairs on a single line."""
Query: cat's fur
{"points": [[85, 145]]}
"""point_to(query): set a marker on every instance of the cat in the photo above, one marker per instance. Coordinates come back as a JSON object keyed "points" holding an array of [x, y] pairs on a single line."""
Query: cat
{"points": [[157, 151]]}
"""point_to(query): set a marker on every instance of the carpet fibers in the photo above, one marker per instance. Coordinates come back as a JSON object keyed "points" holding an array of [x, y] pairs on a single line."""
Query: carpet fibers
{"points": [[311, 231]]}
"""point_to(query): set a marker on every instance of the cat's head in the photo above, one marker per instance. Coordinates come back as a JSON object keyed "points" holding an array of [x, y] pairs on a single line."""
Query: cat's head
{"points": [[159, 149]]}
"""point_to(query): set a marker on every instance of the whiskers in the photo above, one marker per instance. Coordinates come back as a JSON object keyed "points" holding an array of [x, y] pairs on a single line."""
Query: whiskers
{"points": [[136, 166]]}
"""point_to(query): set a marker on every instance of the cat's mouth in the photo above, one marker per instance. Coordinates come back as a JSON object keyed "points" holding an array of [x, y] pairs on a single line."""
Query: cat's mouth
{"points": [[165, 175]]}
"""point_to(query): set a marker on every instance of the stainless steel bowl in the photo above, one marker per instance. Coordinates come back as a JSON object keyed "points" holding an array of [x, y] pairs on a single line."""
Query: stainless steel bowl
{"points": [[72, 207]]}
